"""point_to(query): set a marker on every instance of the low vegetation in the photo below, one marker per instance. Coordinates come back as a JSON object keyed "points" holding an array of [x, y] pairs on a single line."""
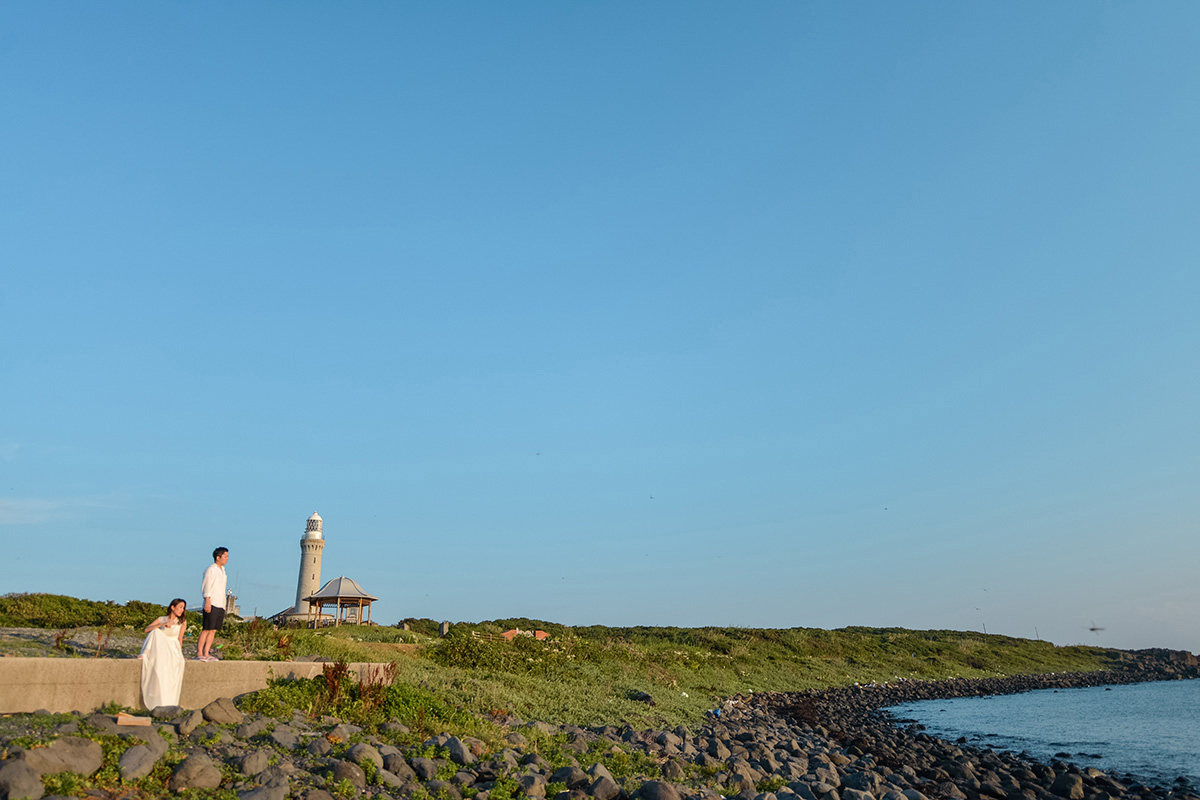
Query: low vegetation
{"points": [[589, 675]]}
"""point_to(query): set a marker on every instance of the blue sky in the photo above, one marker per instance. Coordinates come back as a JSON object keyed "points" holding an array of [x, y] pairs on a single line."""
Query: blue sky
{"points": [[772, 314]]}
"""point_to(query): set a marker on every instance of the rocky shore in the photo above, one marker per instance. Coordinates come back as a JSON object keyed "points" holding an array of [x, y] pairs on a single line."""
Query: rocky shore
{"points": [[835, 744]]}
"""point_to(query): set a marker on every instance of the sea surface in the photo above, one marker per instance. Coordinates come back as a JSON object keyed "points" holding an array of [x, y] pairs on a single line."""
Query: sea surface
{"points": [[1151, 730]]}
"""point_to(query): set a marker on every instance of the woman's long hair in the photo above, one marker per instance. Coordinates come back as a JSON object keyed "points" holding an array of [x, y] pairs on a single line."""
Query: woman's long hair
{"points": [[171, 606]]}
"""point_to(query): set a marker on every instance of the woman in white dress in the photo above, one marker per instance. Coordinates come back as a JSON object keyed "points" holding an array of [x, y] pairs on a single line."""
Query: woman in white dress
{"points": [[162, 658]]}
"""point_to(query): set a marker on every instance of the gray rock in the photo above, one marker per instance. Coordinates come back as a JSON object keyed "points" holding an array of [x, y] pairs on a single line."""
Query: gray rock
{"points": [[318, 794], [572, 794], [285, 737], [266, 793], [717, 749], [68, 754], [190, 723], [657, 790], [673, 772], [516, 739], [436, 788], [349, 771], [573, 777], [827, 775], [598, 770], [604, 788], [460, 752], [222, 711], [532, 785], [343, 732], [196, 772], [824, 791], [863, 782], [272, 776], [802, 790], [395, 764], [913, 794], [393, 727], [425, 768], [137, 762], [463, 779], [251, 728], [253, 763], [362, 753], [19, 781], [1068, 785], [167, 712], [319, 746], [388, 778], [544, 727], [858, 794]]}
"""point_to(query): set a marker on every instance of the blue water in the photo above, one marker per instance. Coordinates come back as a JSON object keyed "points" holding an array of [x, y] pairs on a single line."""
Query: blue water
{"points": [[1149, 729]]}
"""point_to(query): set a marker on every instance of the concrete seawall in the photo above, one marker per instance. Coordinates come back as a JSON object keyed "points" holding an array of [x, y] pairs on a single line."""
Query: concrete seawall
{"points": [[82, 684]]}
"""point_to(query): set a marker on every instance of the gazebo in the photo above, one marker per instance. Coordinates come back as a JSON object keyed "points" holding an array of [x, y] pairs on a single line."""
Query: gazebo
{"points": [[348, 598]]}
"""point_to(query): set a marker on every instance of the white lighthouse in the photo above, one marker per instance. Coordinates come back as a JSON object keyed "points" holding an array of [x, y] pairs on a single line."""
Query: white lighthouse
{"points": [[309, 581]]}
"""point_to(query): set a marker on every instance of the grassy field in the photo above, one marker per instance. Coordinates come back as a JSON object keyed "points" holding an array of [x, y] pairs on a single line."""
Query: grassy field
{"points": [[591, 675]]}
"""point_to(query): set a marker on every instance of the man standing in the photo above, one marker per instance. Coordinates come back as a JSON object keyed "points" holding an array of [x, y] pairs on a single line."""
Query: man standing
{"points": [[213, 589]]}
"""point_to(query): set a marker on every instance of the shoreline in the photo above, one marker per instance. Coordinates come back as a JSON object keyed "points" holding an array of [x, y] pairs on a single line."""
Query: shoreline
{"points": [[857, 717]]}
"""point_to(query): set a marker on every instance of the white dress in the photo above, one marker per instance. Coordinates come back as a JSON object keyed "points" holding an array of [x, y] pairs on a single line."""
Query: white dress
{"points": [[162, 667]]}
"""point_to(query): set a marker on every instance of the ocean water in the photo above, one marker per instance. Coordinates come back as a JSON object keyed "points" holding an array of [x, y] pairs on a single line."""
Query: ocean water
{"points": [[1151, 730]]}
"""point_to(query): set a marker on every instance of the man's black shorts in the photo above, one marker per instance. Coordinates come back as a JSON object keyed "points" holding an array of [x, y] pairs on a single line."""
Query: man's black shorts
{"points": [[213, 620]]}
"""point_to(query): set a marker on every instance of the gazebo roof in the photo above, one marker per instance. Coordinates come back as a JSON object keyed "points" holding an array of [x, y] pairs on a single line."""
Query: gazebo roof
{"points": [[340, 588]]}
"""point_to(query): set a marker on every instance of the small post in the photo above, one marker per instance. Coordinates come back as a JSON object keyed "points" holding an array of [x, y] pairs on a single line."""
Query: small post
{"points": [[444, 629]]}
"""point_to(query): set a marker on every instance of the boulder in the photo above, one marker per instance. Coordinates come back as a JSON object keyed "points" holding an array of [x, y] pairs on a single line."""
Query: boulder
{"points": [[342, 732], [137, 762], [222, 711], [532, 785], [362, 753], [425, 768], [272, 776], [190, 723], [855, 794], [573, 777], [196, 772], [68, 754], [250, 728], [1068, 785], [349, 771], [657, 790], [862, 781], [604, 788], [396, 765], [266, 793], [167, 712], [460, 751], [252, 763], [598, 770], [285, 737], [443, 789], [19, 781], [390, 779]]}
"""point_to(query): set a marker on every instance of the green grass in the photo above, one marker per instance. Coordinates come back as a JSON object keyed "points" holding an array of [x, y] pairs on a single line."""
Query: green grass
{"points": [[22, 610], [589, 675]]}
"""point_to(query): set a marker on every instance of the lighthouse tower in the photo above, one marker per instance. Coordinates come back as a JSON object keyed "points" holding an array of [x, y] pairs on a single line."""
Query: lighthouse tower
{"points": [[311, 545]]}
